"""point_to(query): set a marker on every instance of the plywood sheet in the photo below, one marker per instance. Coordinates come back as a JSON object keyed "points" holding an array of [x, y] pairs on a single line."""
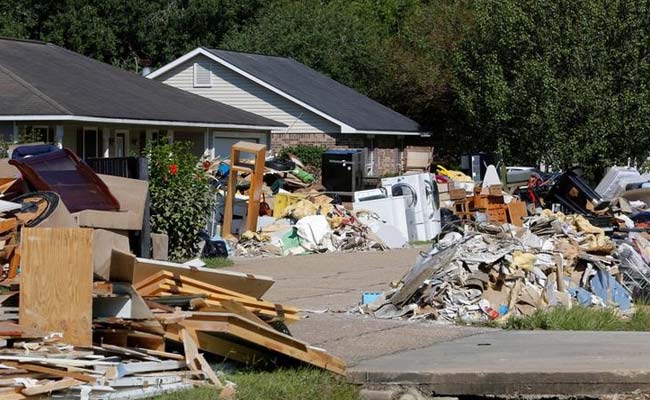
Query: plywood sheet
{"points": [[56, 282]]}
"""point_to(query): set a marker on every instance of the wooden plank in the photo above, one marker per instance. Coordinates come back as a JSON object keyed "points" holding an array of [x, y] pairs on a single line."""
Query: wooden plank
{"points": [[149, 288], [162, 354], [51, 387], [52, 371], [125, 269], [195, 360], [56, 282], [175, 277], [215, 300], [11, 396]]}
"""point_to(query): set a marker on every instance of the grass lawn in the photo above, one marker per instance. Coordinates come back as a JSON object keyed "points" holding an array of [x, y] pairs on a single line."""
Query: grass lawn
{"points": [[281, 384], [217, 262], [582, 319]]}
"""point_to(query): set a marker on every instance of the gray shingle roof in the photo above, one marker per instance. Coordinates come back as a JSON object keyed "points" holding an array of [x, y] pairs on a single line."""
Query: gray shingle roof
{"points": [[319, 91], [39, 78]]}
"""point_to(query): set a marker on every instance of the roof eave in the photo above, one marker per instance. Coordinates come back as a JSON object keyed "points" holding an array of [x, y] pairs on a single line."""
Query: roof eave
{"points": [[130, 121]]}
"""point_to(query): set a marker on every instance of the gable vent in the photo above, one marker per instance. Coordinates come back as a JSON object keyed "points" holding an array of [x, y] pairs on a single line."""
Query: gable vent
{"points": [[202, 76]]}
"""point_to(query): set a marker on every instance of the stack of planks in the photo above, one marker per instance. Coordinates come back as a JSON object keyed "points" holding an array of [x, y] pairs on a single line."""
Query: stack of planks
{"points": [[33, 364]]}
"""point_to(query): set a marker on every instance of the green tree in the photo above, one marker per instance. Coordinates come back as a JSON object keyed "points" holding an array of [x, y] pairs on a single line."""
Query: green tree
{"points": [[342, 39], [561, 81]]}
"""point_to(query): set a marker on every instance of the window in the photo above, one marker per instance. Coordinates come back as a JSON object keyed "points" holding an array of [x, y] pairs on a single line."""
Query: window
{"points": [[37, 133], [202, 75]]}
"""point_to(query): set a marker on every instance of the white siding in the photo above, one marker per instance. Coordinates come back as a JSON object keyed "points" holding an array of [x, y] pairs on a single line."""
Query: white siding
{"points": [[233, 89]]}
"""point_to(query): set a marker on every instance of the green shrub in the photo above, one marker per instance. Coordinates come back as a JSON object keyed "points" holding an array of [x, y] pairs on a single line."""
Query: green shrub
{"points": [[181, 197], [309, 154]]}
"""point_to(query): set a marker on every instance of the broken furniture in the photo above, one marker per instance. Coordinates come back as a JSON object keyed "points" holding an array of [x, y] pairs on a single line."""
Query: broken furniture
{"points": [[256, 171], [61, 171]]}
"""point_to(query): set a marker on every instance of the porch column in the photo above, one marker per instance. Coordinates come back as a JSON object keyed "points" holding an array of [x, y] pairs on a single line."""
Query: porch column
{"points": [[170, 136], [106, 135], [148, 136], [58, 136], [15, 132], [208, 143]]}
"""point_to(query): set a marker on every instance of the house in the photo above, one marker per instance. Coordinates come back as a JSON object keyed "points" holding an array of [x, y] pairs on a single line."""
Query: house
{"points": [[315, 108], [99, 110]]}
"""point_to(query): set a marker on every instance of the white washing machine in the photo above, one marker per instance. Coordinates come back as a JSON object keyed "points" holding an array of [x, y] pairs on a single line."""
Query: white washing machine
{"points": [[427, 204], [396, 211]]}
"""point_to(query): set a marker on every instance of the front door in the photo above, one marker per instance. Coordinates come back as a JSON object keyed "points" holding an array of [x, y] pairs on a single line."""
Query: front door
{"points": [[121, 143]]}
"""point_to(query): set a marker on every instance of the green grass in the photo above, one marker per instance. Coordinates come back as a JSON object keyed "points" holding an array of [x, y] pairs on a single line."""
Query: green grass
{"points": [[420, 242], [281, 384], [217, 262], [582, 319]]}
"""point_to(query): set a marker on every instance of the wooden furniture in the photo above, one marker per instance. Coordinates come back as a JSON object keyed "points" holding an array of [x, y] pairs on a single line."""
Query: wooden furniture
{"points": [[256, 170]]}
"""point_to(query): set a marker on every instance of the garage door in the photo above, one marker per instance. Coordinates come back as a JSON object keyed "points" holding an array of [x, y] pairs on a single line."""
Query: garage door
{"points": [[222, 144]]}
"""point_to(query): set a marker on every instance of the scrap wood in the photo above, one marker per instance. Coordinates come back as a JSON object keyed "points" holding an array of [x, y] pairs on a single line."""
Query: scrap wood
{"points": [[164, 285], [195, 360], [52, 371], [125, 267], [183, 280], [237, 329], [51, 386]]}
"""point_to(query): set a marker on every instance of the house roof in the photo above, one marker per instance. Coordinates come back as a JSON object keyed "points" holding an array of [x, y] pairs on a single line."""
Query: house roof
{"points": [[311, 89], [42, 80]]}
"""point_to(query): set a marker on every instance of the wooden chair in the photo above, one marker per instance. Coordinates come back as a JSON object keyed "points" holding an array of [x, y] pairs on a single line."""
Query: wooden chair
{"points": [[255, 192]]}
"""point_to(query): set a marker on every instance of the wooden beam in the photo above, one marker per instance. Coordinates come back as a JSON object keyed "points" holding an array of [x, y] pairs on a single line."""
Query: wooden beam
{"points": [[195, 360]]}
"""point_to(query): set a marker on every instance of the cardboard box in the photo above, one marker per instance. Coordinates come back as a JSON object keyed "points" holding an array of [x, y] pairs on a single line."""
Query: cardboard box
{"points": [[457, 194]]}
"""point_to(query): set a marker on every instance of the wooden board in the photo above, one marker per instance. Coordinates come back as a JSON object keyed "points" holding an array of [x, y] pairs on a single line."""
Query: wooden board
{"points": [[56, 282], [127, 268]]}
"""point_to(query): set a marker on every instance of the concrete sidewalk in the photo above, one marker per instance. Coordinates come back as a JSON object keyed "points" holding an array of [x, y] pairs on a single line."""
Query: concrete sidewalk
{"points": [[443, 359], [519, 363]]}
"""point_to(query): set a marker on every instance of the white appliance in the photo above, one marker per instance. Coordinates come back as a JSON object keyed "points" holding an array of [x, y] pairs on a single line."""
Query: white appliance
{"points": [[370, 194], [395, 211], [427, 204]]}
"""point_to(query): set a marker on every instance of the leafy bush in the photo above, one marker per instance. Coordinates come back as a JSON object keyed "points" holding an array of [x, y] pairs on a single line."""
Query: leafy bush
{"points": [[309, 154], [181, 197]]}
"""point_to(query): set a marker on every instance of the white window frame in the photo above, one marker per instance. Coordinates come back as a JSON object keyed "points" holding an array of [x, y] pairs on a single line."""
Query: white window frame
{"points": [[206, 66], [126, 141], [83, 140]]}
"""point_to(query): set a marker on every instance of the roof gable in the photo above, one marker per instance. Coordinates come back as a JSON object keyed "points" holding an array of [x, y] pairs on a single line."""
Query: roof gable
{"points": [[311, 89], [81, 86]]}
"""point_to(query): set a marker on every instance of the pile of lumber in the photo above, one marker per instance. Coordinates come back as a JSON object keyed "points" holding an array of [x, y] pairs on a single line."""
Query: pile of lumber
{"points": [[32, 364], [129, 327]]}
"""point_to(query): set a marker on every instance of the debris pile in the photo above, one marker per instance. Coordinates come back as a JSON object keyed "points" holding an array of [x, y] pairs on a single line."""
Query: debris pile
{"points": [[485, 272], [83, 317], [294, 214]]}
